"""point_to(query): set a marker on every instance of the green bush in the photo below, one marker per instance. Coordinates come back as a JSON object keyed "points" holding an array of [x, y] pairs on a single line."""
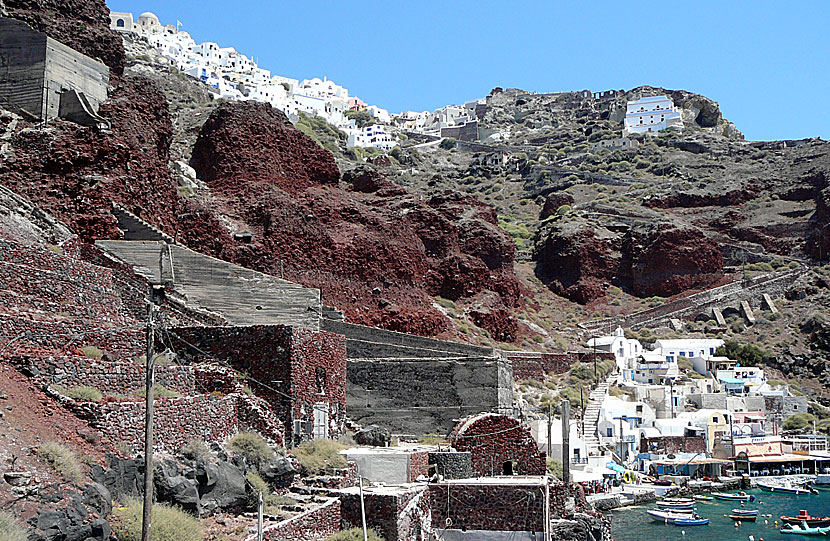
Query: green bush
{"points": [[84, 393], [159, 391], [355, 534], [447, 143], [169, 523], [253, 448], [563, 210], [196, 450], [746, 354], [92, 352], [10, 529], [799, 421], [62, 459], [555, 467], [319, 456], [361, 118]]}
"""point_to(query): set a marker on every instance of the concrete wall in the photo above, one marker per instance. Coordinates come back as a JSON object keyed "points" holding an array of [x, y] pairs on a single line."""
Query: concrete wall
{"points": [[715, 401], [380, 466], [22, 67], [423, 396], [67, 68], [34, 69], [364, 342]]}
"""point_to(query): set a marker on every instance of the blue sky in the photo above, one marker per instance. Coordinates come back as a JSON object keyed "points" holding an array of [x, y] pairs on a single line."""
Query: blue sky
{"points": [[766, 63]]}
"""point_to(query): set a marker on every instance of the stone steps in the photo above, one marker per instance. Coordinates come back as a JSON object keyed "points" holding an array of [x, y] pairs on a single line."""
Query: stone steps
{"points": [[241, 296]]}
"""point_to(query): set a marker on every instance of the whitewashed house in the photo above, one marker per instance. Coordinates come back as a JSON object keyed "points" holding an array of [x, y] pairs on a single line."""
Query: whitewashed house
{"points": [[578, 450], [381, 115], [371, 136], [623, 349], [689, 348], [619, 423], [651, 114], [121, 21], [654, 369]]}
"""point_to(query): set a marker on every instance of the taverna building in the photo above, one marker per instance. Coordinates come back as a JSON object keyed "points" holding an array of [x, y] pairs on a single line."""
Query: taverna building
{"points": [[651, 114]]}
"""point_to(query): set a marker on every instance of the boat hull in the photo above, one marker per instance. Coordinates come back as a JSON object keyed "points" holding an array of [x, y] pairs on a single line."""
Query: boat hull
{"points": [[731, 497], [784, 490]]}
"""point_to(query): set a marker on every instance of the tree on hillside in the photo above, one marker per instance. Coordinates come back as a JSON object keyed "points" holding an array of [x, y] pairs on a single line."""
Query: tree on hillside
{"points": [[361, 118], [746, 354]]}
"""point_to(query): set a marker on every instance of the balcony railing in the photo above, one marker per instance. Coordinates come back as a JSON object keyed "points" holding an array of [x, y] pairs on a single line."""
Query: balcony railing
{"points": [[579, 460]]}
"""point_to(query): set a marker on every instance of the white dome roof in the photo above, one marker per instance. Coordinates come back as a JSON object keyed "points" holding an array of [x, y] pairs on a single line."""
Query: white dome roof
{"points": [[149, 15]]}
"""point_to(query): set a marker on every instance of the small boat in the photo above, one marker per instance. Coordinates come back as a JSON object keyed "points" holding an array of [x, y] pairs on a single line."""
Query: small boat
{"points": [[805, 518], [735, 497], [694, 521], [752, 512], [676, 503], [786, 489], [804, 530], [743, 518], [679, 519], [701, 498]]}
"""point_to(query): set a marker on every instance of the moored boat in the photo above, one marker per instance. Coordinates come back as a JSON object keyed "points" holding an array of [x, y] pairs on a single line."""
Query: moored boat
{"points": [[752, 512], [701, 498], [785, 489], [735, 496], [694, 521], [804, 530], [804, 517], [676, 503], [743, 518]]}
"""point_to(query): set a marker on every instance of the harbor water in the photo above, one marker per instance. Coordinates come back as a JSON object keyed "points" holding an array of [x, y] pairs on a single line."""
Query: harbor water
{"points": [[633, 524]]}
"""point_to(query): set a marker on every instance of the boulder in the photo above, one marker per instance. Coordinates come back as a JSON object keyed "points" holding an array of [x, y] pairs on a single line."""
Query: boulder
{"points": [[175, 488], [226, 490], [280, 472], [98, 497], [373, 435]]}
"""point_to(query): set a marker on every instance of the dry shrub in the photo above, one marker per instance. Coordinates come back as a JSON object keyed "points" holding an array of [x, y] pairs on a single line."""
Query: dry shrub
{"points": [[169, 523]]}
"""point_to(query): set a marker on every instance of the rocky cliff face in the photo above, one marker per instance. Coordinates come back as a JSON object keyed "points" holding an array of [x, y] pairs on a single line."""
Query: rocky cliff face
{"points": [[580, 261], [372, 248]]}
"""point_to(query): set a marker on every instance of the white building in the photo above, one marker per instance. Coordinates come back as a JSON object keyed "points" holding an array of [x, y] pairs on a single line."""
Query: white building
{"points": [[654, 368], [122, 22], [688, 347], [616, 415], [371, 136], [651, 114], [623, 348], [578, 450]]}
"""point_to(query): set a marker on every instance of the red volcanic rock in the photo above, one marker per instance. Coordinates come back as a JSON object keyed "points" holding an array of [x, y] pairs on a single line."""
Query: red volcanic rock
{"points": [[366, 180], [373, 249], [500, 323], [553, 202], [252, 141], [660, 259], [720, 199], [80, 24], [75, 173], [575, 263]]}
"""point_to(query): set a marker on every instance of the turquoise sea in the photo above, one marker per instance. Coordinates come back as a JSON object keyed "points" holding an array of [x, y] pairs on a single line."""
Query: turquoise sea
{"points": [[633, 524]]}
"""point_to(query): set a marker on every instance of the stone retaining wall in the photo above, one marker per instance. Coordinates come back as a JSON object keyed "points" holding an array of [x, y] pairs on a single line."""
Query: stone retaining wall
{"points": [[531, 365], [494, 440], [319, 523], [452, 465], [180, 420]]}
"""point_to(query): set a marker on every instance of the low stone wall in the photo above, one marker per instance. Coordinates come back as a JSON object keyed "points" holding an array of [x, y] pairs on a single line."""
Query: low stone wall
{"points": [[418, 465], [397, 515], [531, 365], [319, 523], [117, 377], [180, 420], [511, 506], [452, 465]]}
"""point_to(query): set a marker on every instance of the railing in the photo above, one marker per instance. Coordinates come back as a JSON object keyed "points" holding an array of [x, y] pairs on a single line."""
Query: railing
{"points": [[579, 460]]}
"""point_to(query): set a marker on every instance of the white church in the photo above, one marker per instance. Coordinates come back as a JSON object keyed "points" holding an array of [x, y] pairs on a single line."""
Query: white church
{"points": [[651, 114]]}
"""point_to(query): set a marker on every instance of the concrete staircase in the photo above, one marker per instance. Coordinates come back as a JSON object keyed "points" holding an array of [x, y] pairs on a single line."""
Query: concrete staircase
{"points": [[240, 296], [591, 419]]}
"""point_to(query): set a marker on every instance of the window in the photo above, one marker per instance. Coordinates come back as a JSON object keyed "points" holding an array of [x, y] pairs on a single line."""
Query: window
{"points": [[609, 432], [715, 419], [119, 23], [795, 407]]}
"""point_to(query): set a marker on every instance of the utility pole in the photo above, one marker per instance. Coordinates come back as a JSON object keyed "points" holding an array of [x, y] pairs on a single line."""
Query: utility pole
{"points": [[363, 508], [582, 407], [546, 514], [147, 516], [671, 395], [566, 461], [259, 517], [550, 429]]}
